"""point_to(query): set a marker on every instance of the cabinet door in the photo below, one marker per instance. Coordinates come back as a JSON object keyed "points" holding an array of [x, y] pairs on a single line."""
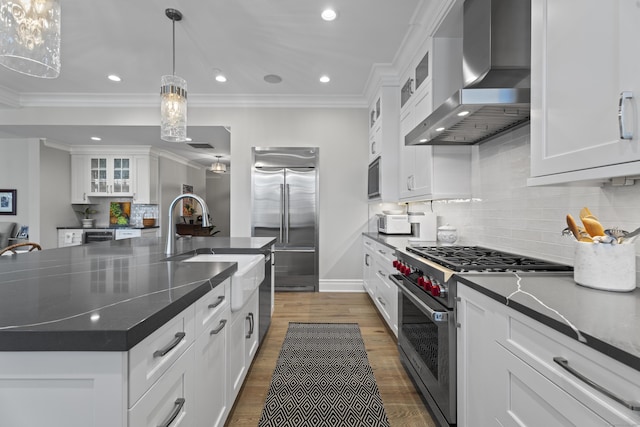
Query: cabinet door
{"points": [[98, 176], [527, 398], [368, 267], [252, 329], [145, 184], [476, 346], [211, 382], [121, 176], [578, 74], [237, 368]]}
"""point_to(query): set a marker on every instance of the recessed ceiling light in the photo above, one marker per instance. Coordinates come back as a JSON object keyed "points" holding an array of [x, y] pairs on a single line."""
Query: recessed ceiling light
{"points": [[329, 14], [272, 78], [96, 138], [188, 139], [325, 79], [221, 78], [463, 113], [439, 129], [114, 78]]}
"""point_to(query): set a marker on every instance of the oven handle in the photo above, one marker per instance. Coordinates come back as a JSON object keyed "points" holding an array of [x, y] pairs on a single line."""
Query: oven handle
{"points": [[436, 316]]}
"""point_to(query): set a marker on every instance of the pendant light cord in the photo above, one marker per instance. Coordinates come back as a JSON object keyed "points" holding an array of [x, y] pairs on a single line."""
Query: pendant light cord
{"points": [[174, 45]]}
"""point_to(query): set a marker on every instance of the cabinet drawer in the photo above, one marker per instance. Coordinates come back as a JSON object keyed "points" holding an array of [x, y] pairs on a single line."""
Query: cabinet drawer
{"points": [[385, 254], [538, 345], [170, 401], [208, 307], [155, 354], [529, 399]]}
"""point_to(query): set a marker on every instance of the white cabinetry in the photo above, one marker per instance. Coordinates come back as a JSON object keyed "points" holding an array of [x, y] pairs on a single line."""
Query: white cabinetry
{"points": [[213, 317], [575, 100], [70, 237], [176, 376], [243, 344], [514, 363], [378, 266], [114, 172], [383, 138]]}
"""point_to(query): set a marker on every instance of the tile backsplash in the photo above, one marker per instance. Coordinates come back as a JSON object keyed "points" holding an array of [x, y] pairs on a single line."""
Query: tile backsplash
{"points": [[137, 211], [506, 214]]}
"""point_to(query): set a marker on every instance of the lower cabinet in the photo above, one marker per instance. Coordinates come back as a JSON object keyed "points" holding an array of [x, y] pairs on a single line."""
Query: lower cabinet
{"points": [[243, 344], [187, 373], [377, 269], [510, 373]]}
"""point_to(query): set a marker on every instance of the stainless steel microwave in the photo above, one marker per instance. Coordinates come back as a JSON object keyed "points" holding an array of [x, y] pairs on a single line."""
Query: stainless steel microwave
{"points": [[373, 182]]}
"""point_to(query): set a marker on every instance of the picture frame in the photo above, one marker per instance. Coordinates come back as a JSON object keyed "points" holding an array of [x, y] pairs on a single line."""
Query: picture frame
{"points": [[188, 207], [8, 202], [23, 233]]}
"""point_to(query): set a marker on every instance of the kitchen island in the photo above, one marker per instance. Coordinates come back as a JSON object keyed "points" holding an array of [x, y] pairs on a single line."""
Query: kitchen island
{"points": [[76, 324]]}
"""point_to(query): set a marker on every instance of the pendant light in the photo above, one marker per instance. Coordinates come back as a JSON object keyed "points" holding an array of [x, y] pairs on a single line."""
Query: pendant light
{"points": [[173, 96], [218, 167], [30, 37]]}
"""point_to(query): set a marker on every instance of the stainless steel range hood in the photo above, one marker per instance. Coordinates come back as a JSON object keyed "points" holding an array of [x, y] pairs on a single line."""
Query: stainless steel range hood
{"points": [[496, 67]]}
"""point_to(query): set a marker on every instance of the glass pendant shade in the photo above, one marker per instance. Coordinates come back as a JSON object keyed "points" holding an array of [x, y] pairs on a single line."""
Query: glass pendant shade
{"points": [[218, 167], [173, 109], [30, 37]]}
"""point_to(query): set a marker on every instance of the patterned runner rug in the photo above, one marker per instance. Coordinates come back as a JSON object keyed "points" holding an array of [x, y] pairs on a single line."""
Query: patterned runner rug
{"points": [[323, 378]]}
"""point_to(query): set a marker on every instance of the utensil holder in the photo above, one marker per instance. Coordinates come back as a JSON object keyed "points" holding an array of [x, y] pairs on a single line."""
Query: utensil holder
{"points": [[604, 266]]}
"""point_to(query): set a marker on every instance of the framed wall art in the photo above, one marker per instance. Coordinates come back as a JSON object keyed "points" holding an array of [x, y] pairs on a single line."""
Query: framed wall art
{"points": [[188, 204], [8, 202]]}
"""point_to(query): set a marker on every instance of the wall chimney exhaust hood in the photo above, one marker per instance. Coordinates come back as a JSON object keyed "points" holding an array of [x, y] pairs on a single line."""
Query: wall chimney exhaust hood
{"points": [[496, 68]]}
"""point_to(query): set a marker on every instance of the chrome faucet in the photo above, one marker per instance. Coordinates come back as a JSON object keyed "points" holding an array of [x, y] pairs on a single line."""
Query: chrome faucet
{"points": [[171, 235]]}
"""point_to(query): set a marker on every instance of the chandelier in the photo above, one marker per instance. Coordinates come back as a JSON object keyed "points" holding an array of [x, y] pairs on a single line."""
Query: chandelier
{"points": [[30, 37], [173, 96], [218, 167]]}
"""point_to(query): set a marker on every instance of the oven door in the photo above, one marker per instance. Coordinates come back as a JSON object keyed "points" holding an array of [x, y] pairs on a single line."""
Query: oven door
{"points": [[427, 344]]}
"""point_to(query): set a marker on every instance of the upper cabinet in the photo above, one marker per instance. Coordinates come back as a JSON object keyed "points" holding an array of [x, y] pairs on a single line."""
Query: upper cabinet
{"points": [[383, 138], [584, 89], [130, 173]]}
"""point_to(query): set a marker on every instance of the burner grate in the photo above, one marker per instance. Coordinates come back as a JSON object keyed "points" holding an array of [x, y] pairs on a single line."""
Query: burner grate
{"points": [[478, 258]]}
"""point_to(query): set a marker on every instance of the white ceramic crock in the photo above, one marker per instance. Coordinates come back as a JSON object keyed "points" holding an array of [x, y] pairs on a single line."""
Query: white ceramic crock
{"points": [[604, 266], [447, 234]]}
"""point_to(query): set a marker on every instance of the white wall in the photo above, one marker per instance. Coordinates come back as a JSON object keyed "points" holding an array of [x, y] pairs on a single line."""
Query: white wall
{"points": [[55, 193], [219, 202], [19, 170]]}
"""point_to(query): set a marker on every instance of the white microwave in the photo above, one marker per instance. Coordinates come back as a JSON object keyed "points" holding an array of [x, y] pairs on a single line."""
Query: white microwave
{"points": [[373, 182], [394, 224]]}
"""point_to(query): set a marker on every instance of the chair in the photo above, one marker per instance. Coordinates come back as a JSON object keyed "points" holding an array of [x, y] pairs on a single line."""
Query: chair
{"points": [[7, 230], [31, 245]]}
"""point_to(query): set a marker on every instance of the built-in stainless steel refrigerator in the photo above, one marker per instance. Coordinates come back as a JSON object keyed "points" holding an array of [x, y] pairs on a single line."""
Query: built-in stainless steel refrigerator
{"points": [[285, 206]]}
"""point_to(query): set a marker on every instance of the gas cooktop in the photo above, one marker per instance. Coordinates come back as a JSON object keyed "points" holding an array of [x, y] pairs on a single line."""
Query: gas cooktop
{"points": [[478, 258]]}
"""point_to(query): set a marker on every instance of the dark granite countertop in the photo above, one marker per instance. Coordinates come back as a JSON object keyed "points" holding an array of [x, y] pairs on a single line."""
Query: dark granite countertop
{"points": [[105, 296], [608, 322]]}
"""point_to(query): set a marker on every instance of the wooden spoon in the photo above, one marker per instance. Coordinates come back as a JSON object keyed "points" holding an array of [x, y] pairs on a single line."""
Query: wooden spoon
{"points": [[573, 227], [593, 227]]}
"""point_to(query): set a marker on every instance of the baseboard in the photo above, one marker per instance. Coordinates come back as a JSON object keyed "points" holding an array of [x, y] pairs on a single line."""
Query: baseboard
{"points": [[336, 285]]}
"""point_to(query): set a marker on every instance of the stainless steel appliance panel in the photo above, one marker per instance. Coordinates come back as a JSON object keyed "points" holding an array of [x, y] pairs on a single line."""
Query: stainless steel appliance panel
{"points": [[285, 206]]}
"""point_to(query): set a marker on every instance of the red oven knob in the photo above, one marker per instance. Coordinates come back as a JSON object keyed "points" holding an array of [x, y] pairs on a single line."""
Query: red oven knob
{"points": [[405, 269], [421, 281], [435, 291], [395, 263], [427, 285]]}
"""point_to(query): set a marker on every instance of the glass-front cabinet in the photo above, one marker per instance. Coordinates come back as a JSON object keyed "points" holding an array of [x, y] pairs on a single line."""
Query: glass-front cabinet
{"points": [[110, 176]]}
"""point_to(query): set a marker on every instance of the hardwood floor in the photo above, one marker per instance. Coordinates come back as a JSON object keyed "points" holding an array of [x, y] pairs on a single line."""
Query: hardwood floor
{"points": [[401, 401]]}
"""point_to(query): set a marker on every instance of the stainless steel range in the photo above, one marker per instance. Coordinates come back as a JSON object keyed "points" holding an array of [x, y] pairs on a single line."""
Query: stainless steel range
{"points": [[427, 311]]}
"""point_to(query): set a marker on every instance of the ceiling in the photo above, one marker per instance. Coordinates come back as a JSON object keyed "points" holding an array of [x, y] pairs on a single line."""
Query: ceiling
{"points": [[243, 39]]}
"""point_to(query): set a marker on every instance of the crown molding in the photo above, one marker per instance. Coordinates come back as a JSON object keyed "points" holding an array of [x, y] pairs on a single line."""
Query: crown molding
{"points": [[9, 98], [195, 100], [56, 145]]}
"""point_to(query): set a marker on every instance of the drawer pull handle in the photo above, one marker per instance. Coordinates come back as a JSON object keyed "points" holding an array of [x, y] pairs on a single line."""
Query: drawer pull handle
{"points": [[382, 302], [176, 340], [634, 406], [250, 319], [217, 303], [219, 328], [177, 407], [624, 132]]}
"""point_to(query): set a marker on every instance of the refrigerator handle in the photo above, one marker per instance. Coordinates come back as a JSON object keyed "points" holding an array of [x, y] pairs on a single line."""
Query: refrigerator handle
{"points": [[282, 210], [286, 224]]}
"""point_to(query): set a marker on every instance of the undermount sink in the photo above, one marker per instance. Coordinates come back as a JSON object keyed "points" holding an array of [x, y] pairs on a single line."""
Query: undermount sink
{"points": [[244, 281]]}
